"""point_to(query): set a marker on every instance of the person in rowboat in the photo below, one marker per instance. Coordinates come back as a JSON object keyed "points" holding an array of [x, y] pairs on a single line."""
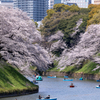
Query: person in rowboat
{"points": [[48, 97], [40, 97], [71, 84]]}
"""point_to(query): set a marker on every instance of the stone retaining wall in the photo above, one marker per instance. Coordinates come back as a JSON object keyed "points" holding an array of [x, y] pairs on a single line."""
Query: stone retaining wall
{"points": [[74, 75]]}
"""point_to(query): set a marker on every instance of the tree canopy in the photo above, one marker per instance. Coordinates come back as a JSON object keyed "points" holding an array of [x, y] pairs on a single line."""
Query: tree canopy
{"points": [[63, 17], [94, 14]]}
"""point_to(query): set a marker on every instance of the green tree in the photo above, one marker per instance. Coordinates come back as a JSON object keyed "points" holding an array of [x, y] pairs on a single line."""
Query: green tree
{"points": [[74, 8], [95, 19], [84, 10], [59, 7], [94, 14], [66, 7], [36, 24], [50, 12], [63, 17], [92, 6]]}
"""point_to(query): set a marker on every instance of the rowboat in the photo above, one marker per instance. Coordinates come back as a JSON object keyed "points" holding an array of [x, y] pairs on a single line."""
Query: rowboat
{"points": [[39, 78], [51, 77], [72, 86], [97, 86], [34, 82], [67, 79], [48, 99], [65, 76], [81, 78], [98, 80]]}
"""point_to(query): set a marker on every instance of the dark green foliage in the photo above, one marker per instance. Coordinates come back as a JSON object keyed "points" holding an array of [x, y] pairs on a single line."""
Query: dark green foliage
{"points": [[74, 8], [50, 26], [58, 7], [67, 27], [84, 10], [54, 68], [58, 52], [84, 24], [62, 7], [65, 18], [62, 24]]}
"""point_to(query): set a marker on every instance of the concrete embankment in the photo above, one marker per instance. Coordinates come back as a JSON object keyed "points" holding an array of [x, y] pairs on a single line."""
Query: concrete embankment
{"points": [[74, 75], [18, 93]]}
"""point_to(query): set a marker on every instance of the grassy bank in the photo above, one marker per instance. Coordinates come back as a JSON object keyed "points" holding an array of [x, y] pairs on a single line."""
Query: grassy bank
{"points": [[86, 68], [11, 81]]}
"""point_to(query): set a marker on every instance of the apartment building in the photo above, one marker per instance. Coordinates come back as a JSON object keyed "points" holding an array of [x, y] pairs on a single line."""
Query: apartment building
{"points": [[7, 3], [36, 9], [39, 9], [25, 5], [47, 4], [96, 1], [51, 3], [80, 3]]}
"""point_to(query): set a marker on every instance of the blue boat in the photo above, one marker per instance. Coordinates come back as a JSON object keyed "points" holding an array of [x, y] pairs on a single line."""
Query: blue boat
{"points": [[67, 79], [39, 78], [65, 76], [51, 77], [81, 78], [98, 86], [98, 80], [34, 82], [48, 99]]}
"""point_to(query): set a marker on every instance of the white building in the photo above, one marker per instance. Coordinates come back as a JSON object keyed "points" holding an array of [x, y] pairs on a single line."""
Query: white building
{"points": [[51, 3], [80, 3], [96, 2], [7, 3], [10, 5]]}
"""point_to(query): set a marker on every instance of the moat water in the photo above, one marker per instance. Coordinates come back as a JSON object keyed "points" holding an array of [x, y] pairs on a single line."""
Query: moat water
{"points": [[83, 90]]}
